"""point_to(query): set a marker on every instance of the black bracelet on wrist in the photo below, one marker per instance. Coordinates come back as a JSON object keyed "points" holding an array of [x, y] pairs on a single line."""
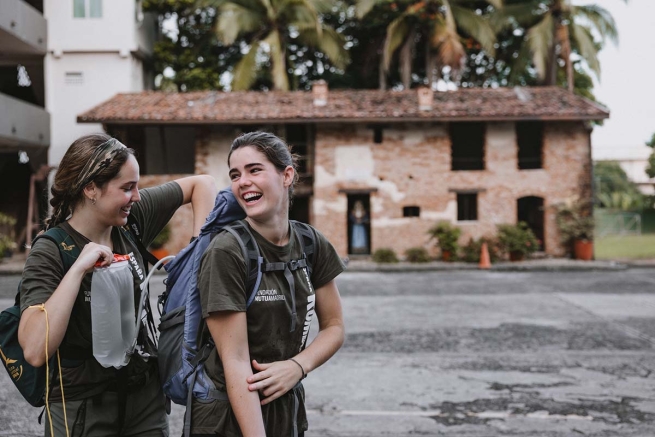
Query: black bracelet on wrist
{"points": [[304, 375]]}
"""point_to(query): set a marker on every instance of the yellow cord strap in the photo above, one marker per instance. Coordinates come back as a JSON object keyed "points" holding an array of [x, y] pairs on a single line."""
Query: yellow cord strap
{"points": [[47, 374]]}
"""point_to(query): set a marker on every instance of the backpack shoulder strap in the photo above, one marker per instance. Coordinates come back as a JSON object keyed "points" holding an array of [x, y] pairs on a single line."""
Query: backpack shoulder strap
{"points": [[134, 233], [308, 240], [68, 250], [251, 255]]}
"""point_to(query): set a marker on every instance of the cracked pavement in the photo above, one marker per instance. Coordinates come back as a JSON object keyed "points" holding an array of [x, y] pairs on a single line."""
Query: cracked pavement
{"points": [[471, 354]]}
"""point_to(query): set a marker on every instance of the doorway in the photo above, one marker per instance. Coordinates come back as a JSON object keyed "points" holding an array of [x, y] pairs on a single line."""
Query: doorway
{"points": [[531, 210], [359, 224], [300, 209]]}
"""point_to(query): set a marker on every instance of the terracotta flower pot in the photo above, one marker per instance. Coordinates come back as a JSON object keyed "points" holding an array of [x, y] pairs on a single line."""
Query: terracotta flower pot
{"points": [[516, 255], [583, 249], [160, 253], [445, 255]]}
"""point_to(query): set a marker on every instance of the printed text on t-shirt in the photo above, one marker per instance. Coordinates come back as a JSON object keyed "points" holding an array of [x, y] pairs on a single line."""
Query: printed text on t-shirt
{"points": [[269, 296]]}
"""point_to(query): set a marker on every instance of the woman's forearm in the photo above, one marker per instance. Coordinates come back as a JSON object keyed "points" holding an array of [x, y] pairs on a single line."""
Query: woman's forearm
{"points": [[245, 404], [331, 332], [325, 345]]}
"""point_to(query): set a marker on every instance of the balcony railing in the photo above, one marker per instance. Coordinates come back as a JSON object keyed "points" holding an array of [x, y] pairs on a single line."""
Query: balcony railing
{"points": [[23, 29], [23, 124]]}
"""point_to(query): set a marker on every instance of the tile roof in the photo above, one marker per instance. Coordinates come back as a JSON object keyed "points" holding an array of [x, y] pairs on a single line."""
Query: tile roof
{"points": [[217, 107]]}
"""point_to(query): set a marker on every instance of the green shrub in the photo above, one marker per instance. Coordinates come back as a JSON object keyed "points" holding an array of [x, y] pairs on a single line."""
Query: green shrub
{"points": [[471, 251], [517, 238], [161, 238], [417, 255], [446, 235], [7, 243], [575, 221], [385, 255]]}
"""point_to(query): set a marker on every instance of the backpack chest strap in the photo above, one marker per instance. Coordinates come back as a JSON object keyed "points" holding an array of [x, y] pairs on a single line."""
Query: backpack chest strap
{"points": [[288, 268], [292, 265]]}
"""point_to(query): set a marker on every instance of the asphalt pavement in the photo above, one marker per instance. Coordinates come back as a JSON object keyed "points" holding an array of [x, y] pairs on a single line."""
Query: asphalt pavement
{"points": [[543, 352]]}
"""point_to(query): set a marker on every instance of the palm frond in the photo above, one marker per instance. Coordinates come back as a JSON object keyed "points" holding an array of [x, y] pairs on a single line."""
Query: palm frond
{"points": [[245, 71], [477, 27], [235, 20], [363, 7], [525, 14], [600, 18], [540, 40], [323, 6], [520, 64], [586, 46], [251, 5], [451, 52], [278, 62], [331, 43], [396, 33]]}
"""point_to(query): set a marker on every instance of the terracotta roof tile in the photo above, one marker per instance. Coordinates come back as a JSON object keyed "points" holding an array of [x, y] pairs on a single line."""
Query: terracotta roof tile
{"points": [[216, 107]]}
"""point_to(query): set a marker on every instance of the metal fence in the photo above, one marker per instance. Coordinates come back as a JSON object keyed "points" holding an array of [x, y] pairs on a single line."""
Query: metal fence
{"points": [[623, 222]]}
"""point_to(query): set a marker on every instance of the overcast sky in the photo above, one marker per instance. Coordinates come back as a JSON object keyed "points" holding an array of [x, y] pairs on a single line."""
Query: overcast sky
{"points": [[627, 83]]}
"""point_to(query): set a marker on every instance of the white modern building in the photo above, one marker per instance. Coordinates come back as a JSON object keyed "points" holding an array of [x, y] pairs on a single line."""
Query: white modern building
{"points": [[24, 120], [96, 49], [633, 161]]}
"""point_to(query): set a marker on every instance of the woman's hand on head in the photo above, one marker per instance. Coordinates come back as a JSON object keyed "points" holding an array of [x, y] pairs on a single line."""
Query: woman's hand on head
{"points": [[274, 379], [91, 254]]}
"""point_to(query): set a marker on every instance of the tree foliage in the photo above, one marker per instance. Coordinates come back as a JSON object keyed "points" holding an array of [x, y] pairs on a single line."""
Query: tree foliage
{"points": [[650, 168], [270, 32], [615, 190], [193, 59], [290, 43]]}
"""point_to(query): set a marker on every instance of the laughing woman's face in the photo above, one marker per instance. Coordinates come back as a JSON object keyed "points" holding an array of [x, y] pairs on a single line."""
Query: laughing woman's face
{"points": [[260, 188]]}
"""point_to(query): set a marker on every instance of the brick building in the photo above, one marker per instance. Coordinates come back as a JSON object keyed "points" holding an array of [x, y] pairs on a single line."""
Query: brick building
{"points": [[475, 157]]}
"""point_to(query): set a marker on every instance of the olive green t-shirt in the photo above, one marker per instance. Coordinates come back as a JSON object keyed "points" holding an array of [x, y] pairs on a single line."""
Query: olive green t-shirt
{"points": [[43, 272], [222, 286]]}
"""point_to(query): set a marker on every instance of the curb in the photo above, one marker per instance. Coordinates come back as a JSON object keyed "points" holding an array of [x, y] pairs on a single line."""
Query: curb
{"points": [[15, 268], [572, 266]]}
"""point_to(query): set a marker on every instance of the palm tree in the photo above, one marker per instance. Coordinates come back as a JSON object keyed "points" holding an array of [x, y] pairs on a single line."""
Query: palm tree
{"points": [[267, 28], [557, 25], [439, 23]]}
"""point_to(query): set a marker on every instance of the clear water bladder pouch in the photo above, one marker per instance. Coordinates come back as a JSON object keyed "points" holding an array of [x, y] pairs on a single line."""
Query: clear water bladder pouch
{"points": [[113, 320]]}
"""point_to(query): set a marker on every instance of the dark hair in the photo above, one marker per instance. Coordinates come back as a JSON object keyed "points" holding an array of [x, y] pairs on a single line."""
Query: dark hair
{"points": [[274, 148], [64, 198]]}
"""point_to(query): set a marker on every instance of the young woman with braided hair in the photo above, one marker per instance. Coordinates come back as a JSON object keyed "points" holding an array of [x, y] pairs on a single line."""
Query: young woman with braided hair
{"points": [[95, 190]]}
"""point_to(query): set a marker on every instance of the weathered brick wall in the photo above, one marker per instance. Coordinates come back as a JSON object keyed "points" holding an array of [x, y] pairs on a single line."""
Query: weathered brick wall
{"points": [[411, 167]]}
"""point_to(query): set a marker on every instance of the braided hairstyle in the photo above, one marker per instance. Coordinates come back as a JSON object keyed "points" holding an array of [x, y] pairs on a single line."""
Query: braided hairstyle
{"points": [[65, 197], [274, 149]]}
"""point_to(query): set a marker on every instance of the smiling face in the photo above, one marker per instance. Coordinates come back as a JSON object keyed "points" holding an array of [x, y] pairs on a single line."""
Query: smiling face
{"points": [[114, 200], [260, 188]]}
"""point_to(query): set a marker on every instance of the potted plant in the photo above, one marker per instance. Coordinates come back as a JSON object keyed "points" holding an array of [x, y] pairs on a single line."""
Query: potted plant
{"points": [[447, 237], [157, 245], [7, 243], [575, 222], [517, 240]]}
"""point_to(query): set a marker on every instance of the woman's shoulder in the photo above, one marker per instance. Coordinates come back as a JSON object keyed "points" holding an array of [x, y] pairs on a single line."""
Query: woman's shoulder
{"points": [[159, 193], [225, 241], [305, 229]]}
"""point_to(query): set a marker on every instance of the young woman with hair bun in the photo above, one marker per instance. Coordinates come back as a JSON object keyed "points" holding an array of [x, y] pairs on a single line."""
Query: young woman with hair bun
{"points": [[261, 352]]}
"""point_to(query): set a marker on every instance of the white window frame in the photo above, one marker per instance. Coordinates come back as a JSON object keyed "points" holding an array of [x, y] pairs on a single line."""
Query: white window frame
{"points": [[87, 4]]}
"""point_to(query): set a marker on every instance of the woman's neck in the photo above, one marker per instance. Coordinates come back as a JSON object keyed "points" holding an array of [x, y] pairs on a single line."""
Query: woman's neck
{"points": [[275, 231], [84, 223]]}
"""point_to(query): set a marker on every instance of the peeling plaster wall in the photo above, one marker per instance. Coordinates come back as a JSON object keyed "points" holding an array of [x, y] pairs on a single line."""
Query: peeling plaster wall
{"points": [[411, 167]]}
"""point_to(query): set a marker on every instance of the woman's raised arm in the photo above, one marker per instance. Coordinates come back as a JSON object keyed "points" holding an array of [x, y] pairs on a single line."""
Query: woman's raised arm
{"points": [[201, 191]]}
